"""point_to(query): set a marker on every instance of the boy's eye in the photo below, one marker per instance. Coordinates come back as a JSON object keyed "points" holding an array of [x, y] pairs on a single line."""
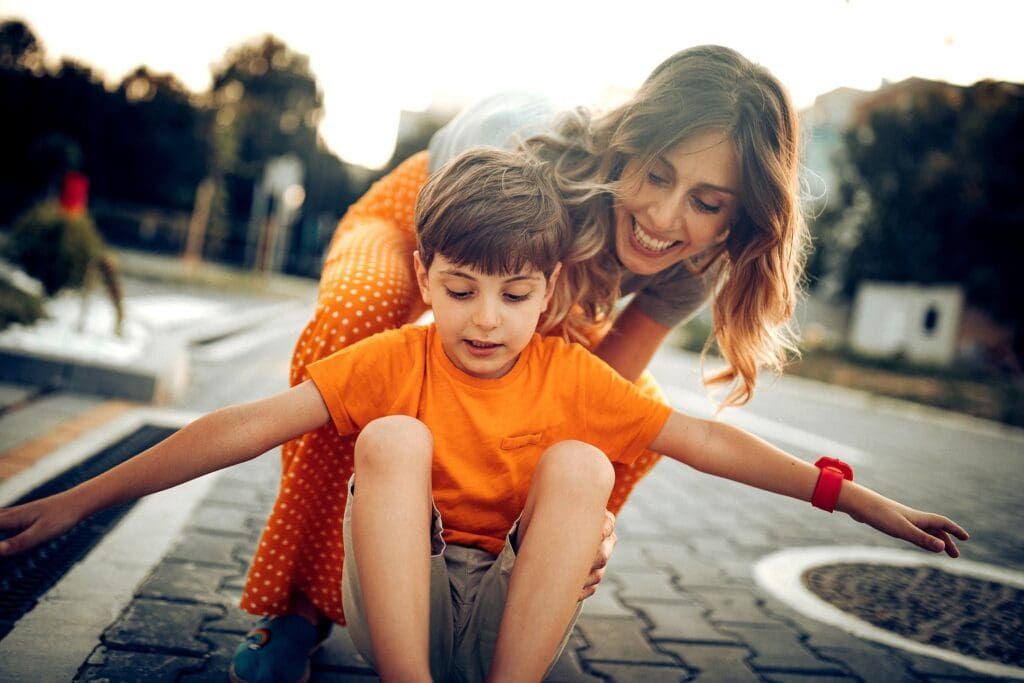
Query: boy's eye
{"points": [[456, 294], [704, 207]]}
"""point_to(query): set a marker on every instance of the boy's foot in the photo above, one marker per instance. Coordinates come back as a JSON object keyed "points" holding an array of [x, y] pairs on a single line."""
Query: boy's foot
{"points": [[277, 650]]}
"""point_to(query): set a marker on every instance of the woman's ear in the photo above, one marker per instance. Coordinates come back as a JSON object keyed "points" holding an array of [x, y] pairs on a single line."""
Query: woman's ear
{"points": [[421, 277], [550, 288]]}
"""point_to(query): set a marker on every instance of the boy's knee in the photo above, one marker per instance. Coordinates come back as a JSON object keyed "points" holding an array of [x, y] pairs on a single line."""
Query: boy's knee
{"points": [[395, 438], [578, 463]]}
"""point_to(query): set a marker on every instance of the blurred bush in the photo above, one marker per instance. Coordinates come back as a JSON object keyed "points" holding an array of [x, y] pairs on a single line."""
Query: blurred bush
{"points": [[63, 250], [18, 306]]}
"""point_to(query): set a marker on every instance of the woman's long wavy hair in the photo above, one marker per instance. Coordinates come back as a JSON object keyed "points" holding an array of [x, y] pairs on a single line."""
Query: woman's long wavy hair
{"points": [[758, 268]]}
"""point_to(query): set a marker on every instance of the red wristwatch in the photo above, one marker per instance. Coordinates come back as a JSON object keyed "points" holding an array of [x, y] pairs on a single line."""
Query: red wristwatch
{"points": [[833, 473]]}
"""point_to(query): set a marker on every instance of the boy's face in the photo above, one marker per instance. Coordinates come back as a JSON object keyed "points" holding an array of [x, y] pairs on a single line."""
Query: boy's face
{"points": [[484, 321]]}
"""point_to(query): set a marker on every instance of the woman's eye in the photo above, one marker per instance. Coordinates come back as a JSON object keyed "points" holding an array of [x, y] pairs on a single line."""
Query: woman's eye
{"points": [[455, 294], [656, 179], [516, 298], [705, 207]]}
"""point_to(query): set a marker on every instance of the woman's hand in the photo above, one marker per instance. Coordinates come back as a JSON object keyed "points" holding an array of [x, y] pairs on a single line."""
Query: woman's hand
{"points": [[926, 530], [37, 522], [604, 553]]}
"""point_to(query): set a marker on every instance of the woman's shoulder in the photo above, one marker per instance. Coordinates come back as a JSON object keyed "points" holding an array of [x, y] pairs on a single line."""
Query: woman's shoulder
{"points": [[501, 120]]}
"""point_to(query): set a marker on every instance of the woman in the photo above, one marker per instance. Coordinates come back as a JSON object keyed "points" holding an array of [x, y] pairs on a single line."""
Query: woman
{"points": [[686, 191]]}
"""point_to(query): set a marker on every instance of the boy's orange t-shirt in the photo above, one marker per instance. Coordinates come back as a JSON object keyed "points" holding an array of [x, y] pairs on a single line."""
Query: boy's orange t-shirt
{"points": [[488, 434]]}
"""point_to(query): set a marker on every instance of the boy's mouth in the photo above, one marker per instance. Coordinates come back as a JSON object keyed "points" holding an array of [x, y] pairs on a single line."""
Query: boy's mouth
{"points": [[481, 344], [481, 348]]}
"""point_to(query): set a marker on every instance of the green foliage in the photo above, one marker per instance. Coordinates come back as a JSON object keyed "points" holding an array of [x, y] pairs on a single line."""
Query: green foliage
{"points": [[929, 193], [18, 306], [54, 247]]}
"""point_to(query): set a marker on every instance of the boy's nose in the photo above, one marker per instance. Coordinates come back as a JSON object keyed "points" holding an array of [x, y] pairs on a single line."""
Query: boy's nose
{"points": [[486, 317]]}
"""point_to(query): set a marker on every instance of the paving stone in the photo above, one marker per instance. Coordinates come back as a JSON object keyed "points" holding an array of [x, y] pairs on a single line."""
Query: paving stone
{"points": [[778, 647], [628, 554], [206, 549], [112, 666], [644, 584], [156, 625], [218, 660], [639, 673], [618, 639], [872, 664], [687, 567], [243, 495], [568, 668], [234, 620], [731, 605], [186, 581], [605, 602], [715, 663], [11, 394], [221, 519], [807, 678], [680, 621], [929, 667], [41, 417]]}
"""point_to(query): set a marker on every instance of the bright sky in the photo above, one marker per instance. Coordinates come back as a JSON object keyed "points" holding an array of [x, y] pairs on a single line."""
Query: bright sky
{"points": [[374, 58]]}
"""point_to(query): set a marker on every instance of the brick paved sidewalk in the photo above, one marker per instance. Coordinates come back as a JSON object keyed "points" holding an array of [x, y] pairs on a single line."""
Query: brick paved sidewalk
{"points": [[679, 602]]}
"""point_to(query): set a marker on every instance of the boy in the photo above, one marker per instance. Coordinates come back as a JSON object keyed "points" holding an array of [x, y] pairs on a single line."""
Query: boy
{"points": [[482, 466]]}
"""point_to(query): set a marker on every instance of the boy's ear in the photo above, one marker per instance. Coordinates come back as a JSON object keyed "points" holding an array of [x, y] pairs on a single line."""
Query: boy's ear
{"points": [[421, 277], [550, 289]]}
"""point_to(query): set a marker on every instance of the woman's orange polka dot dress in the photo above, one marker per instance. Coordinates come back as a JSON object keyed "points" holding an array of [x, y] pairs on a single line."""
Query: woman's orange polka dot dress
{"points": [[367, 285]]}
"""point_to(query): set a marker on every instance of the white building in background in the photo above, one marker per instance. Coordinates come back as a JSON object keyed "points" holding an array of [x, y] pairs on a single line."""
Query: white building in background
{"points": [[276, 200], [919, 323]]}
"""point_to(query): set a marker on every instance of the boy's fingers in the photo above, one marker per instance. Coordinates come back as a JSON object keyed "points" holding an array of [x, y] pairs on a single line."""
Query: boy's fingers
{"points": [[957, 530], [15, 544], [609, 524], [950, 544]]}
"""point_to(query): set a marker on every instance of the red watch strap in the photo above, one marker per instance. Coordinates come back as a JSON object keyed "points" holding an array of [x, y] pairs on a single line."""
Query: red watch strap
{"points": [[830, 480]]}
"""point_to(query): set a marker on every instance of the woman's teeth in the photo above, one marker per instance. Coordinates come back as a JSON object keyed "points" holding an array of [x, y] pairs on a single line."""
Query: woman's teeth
{"points": [[649, 241]]}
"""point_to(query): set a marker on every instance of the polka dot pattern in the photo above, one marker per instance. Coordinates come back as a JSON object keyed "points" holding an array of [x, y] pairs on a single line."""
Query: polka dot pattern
{"points": [[368, 285]]}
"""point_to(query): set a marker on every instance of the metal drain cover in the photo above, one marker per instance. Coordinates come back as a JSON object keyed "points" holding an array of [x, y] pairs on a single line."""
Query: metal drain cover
{"points": [[973, 616], [964, 612]]}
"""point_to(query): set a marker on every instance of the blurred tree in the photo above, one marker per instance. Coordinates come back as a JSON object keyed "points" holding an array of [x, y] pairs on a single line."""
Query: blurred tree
{"points": [[930, 192], [155, 147], [268, 104], [19, 47]]}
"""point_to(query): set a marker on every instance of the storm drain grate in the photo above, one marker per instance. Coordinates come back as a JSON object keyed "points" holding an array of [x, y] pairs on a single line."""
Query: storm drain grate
{"points": [[974, 616], [25, 577]]}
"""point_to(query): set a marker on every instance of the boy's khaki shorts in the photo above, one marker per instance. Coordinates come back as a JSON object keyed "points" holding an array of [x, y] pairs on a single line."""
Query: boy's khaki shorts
{"points": [[468, 588]]}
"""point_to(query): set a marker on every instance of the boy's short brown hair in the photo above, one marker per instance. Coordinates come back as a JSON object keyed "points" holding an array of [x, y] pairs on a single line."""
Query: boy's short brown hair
{"points": [[496, 211]]}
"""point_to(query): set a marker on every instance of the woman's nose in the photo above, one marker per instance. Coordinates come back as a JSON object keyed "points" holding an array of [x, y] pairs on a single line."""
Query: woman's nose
{"points": [[667, 217]]}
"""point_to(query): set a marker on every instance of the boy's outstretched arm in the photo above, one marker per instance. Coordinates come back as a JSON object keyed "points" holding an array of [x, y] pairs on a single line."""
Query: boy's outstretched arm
{"points": [[220, 439], [726, 451]]}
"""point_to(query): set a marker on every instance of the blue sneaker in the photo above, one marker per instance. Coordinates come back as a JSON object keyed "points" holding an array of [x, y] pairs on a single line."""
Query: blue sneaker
{"points": [[277, 650]]}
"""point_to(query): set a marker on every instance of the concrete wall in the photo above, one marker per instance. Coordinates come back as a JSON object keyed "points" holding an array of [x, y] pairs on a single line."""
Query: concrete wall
{"points": [[918, 322]]}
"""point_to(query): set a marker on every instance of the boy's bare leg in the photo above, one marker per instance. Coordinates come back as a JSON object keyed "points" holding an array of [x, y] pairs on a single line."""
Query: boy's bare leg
{"points": [[559, 532], [391, 538]]}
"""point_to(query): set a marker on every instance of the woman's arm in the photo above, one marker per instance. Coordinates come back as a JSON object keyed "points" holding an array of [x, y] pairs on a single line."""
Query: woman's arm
{"points": [[220, 439], [726, 451], [631, 343]]}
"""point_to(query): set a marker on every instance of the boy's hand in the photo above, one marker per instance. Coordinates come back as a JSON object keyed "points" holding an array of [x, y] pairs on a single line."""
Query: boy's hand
{"points": [[924, 529], [604, 553], [37, 522]]}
